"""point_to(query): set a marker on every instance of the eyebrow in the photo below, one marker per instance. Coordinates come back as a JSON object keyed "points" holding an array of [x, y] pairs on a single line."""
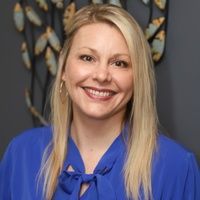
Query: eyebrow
{"points": [[95, 51]]}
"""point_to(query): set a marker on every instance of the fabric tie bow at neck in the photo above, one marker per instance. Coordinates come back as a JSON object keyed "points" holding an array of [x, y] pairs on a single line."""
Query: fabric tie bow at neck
{"points": [[70, 183]]}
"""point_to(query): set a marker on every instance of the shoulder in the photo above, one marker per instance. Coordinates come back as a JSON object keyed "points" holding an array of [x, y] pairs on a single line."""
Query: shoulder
{"points": [[30, 141], [26, 149], [175, 172], [173, 157], [22, 161], [170, 148], [33, 136]]}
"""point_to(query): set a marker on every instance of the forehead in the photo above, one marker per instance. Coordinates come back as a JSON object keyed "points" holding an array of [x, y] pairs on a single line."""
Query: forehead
{"points": [[99, 35]]}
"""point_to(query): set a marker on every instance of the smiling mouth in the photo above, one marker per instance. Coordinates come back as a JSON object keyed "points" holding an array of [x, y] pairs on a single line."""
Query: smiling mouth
{"points": [[99, 93]]}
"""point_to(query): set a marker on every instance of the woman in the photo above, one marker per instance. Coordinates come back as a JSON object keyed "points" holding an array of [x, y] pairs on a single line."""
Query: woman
{"points": [[103, 143]]}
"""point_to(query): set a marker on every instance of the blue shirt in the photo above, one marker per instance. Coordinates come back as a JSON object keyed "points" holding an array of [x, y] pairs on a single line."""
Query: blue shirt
{"points": [[175, 174]]}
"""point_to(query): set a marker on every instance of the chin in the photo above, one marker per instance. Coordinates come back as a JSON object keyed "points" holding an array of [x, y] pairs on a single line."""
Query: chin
{"points": [[105, 115], [97, 116]]}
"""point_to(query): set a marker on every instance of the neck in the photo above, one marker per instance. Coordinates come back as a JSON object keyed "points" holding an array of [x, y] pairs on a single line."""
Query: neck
{"points": [[95, 133]]}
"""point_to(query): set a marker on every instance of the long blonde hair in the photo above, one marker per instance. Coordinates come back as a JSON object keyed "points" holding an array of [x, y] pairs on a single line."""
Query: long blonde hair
{"points": [[142, 115]]}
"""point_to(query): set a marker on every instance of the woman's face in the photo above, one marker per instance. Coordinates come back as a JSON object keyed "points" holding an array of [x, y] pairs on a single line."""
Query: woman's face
{"points": [[98, 72]]}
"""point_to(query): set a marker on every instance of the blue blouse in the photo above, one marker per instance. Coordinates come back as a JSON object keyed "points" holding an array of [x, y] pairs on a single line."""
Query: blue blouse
{"points": [[175, 174]]}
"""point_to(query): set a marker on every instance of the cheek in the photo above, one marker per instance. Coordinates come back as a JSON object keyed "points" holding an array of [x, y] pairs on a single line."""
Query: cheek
{"points": [[129, 90], [75, 74], [70, 79], [125, 82]]}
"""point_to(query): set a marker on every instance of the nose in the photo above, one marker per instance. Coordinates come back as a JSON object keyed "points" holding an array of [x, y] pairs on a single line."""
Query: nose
{"points": [[102, 74]]}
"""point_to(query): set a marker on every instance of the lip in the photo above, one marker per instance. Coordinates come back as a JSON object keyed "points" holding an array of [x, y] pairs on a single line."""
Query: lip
{"points": [[102, 94]]}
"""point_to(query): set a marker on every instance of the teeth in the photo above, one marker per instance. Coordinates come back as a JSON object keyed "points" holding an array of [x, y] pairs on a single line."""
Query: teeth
{"points": [[98, 93]]}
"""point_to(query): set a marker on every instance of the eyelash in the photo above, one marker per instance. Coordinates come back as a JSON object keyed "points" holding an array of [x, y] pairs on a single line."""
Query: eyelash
{"points": [[121, 62], [85, 58], [118, 63]]}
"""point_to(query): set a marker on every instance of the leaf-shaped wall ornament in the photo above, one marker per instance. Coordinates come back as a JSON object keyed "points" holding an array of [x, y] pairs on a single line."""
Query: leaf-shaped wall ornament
{"points": [[45, 44], [42, 4], [25, 56], [33, 16], [161, 4], [51, 61], [58, 3], [41, 44], [153, 27], [97, 1], [158, 45], [32, 109], [68, 15], [115, 2], [27, 98], [146, 2], [18, 16], [53, 39]]}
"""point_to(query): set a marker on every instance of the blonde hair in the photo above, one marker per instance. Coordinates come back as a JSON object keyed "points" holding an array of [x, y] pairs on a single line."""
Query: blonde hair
{"points": [[142, 115]]}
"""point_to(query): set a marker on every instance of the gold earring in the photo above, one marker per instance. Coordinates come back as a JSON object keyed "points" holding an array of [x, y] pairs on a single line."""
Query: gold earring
{"points": [[63, 92], [61, 86]]}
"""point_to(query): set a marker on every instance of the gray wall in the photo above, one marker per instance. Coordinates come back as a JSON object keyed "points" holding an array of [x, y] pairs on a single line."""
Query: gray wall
{"points": [[13, 78], [178, 76]]}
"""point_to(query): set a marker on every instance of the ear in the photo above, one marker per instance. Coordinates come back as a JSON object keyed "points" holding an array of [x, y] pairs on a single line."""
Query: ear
{"points": [[60, 63], [63, 76]]}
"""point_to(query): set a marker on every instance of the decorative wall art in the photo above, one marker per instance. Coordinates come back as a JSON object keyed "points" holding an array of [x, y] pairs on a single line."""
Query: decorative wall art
{"points": [[41, 24]]}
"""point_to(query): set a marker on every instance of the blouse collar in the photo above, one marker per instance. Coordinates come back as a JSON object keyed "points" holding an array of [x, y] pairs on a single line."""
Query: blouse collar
{"points": [[69, 183]]}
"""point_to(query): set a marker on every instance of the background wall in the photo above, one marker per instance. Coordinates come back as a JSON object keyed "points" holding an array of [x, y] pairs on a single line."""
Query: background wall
{"points": [[178, 75]]}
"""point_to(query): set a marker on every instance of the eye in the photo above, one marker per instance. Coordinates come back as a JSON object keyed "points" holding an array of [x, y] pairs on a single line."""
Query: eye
{"points": [[121, 63], [86, 58]]}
